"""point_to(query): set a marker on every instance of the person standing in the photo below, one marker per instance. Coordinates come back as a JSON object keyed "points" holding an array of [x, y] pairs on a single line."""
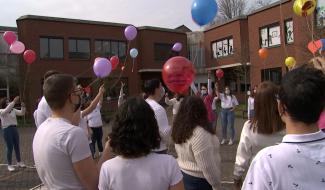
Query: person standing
{"points": [[207, 96], [250, 105], [155, 92], [197, 146], [8, 117], [175, 102], [95, 123], [228, 105]]}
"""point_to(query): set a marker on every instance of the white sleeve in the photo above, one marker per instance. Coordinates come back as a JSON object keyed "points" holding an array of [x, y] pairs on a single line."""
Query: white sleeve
{"points": [[174, 172], [162, 120], [248, 108], [35, 118], [7, 109], [214, 102], [168, 101], [103, 178], [77, 145], [234, 101], [256, 178], [244, 152], [41, 116], [20, 112]]}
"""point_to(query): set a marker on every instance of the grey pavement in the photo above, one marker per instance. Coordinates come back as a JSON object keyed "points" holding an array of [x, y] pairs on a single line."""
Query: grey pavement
{"points": [[27, 178]]}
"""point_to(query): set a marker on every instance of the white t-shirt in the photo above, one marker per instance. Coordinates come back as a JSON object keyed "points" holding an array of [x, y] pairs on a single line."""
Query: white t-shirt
{"points": [[56, 146], [228, 101], [250, 105], [162, 120], [95, 117], [83, 124], [42, 112], [250, 144], [8, 115], [151, 172], [297, 163]]}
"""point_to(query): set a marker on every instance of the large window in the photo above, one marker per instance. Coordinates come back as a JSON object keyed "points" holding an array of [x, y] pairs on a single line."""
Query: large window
{"points": [[79, 49], [270, 35], [108, 48], [223, 48], [289, 31], [273, 74], [162, 52], [51, 48], [320, 13]]}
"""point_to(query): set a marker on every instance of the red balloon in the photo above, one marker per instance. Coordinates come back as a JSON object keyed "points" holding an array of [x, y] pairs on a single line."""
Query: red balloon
{"points": [[219, 73], [314, 46], [114, 61], [29, 56], [10, 37], [263, 53], [178, 74]]}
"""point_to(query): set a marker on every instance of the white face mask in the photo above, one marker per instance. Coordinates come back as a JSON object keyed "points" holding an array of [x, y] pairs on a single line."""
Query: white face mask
{"points": [[203, 92], [227, 91], [163, 91], [254, 91], [248, 93]]}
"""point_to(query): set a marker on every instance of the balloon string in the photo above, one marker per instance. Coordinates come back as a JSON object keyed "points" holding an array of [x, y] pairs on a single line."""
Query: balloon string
{"points": [[312, 34], [25, 82], [93, 82], [86, 71], [132, 64], [283, 37], [125, 61]]}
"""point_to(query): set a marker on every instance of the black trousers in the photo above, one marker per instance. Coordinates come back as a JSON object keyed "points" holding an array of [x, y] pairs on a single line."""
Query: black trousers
{"points": [[97, 138]]}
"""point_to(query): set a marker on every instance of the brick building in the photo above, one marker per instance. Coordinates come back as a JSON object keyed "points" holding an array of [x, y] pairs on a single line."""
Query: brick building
{"points": [[70, 46]]}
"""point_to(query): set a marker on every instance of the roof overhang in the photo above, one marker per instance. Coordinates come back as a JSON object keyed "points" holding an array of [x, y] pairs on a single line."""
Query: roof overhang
{"points": [[228, 66]]}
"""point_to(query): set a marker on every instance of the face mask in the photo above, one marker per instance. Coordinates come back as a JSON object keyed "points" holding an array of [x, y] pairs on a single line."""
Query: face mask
{"points": [[162, 93], [227, 92], [254, 91], [203, 92], [248, 93]]}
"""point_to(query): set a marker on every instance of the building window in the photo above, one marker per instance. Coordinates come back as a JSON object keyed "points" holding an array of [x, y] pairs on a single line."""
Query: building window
{"points": [[273, 74], [109, 48], [51, 48], [320, 13], [289, 31], [162, 52], [223, 48], [270, 36], [79, 49]]}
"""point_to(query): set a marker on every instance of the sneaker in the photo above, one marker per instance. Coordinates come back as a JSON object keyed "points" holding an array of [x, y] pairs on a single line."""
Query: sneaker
{"points": [[231, 142], [11, 168], [21, 164], [223, 141]]}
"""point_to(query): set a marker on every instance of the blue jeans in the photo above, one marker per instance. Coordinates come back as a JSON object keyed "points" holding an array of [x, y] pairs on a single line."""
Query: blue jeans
{"points": [[228, 119], [195, 183], [11, 137]]}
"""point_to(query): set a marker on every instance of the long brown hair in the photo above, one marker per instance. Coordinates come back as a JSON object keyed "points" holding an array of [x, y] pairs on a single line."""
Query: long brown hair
{"points": [[266, 119], [191, 114]]}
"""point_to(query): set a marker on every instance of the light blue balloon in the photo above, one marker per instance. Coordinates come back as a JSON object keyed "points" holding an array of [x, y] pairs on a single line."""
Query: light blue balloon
{"points": [[204, 11], [134, 52]]}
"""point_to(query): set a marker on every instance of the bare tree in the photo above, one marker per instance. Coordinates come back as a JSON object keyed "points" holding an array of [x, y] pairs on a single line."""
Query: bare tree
{"points": [[229, 9]]}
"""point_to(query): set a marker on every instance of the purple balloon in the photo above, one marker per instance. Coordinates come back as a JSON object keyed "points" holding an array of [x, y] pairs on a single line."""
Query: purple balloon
{"points": [[177, 47], [102, 67], [130, 32]]}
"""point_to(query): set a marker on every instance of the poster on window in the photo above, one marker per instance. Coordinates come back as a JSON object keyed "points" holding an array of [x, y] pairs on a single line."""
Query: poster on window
{"points": [[214, 50], [289, 31], [219, 49], [320, 13], [225, 47], [231, 46], [274, 36], [264, 41]]}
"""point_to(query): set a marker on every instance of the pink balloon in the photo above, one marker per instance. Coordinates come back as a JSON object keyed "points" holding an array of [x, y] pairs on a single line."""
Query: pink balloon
{"points": [[130, 32], [10, 37], [17, 47]]}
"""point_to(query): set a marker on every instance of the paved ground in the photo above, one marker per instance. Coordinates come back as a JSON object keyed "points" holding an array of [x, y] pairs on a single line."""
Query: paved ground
{"points": [[27, 178]]}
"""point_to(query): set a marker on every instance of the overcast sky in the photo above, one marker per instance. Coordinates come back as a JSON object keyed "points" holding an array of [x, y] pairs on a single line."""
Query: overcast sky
{"points": [[160, 13]]}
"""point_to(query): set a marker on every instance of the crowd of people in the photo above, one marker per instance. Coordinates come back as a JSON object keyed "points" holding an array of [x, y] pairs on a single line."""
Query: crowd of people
{"points": [[281, 145]]}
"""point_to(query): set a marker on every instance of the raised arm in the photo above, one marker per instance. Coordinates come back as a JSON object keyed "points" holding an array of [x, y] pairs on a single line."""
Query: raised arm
{"points": [[22, 111], [120, 98], [209, 84], [9, 107], [94, 103]]}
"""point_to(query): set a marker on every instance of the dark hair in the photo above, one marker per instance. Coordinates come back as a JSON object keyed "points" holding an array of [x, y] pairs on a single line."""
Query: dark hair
{"points": [[266, 119], [150, 86], [302, 94], [3, 103], [50, 73], [191, 114], [135, 130], [57, 89]]}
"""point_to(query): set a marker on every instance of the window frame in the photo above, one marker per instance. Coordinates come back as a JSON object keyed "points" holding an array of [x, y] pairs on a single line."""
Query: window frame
{"points": [[77, 39], [102, 53], [267, 27], [169, 45], [285, 31], [48, 47], [221, 40]]}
